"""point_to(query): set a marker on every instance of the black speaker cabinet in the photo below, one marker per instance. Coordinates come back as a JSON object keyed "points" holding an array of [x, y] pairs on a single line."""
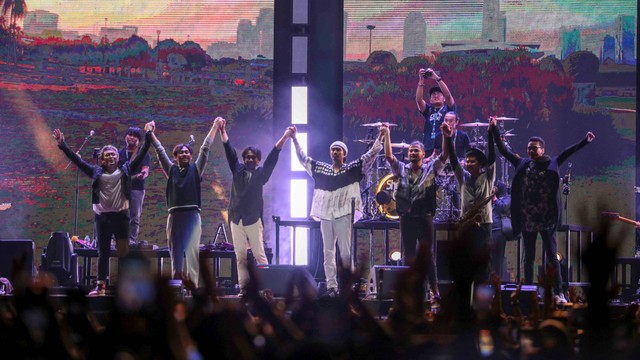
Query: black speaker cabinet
{"points": [[11, 251], [526, 302], [277, 278], [382, 280]]}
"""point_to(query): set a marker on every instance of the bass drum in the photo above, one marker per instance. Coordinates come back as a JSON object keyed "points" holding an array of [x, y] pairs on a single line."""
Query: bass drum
{"points": [[386, 197]]}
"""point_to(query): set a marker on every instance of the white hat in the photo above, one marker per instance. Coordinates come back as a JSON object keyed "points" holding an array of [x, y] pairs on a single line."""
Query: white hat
{"points": [[340, 144]]}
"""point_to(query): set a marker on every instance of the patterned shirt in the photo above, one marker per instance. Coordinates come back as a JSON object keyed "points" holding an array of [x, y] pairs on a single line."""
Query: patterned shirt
{"points": [[416, 192], [538, 197], [334, 191]]}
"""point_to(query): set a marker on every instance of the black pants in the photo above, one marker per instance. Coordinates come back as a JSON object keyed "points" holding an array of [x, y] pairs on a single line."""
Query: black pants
{"points": [[550, 248], [482, 250], [498, 245], [418, 231], [110, 224]]}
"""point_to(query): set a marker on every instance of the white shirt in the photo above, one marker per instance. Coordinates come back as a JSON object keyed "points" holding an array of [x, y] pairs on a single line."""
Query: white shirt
{"points": [[112, 198]]}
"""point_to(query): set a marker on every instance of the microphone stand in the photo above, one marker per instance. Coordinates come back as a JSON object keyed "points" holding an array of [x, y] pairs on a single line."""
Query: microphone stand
{"points": [[566, 189], [77, 194]]}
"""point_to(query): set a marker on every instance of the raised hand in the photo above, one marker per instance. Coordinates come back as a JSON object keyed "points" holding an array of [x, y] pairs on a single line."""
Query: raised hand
{"points": [[384, 129], [429, 73], [218, 123], [150, 126], [288, 133], [590, 136], [294, 131], [446, 130], [58, 135]]}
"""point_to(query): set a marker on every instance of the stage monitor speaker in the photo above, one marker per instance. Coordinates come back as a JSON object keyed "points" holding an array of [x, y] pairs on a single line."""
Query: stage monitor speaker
{"points": [[11, 251], [383, 279], [278, 278], [60, 260], [525, 299]]}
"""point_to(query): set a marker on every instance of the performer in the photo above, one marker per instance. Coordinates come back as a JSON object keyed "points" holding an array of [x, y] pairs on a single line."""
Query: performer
{"points": [[535, 204], [461, 141], [111, 191], [132, 138], [440, 102], [415, 201], [336, 188], [501, 229], [184, 225], [245, 207], [476, 185]]}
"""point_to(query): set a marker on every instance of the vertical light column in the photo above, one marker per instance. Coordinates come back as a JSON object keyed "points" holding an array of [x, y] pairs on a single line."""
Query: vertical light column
{"points": [[299, 181]]}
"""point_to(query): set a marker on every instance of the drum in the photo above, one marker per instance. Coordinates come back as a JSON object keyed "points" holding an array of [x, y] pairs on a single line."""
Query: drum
{"points": [[386, 196], [447, 197]]}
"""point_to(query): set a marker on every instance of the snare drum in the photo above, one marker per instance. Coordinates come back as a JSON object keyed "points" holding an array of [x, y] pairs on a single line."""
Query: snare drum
{"points": [[386, 196]]}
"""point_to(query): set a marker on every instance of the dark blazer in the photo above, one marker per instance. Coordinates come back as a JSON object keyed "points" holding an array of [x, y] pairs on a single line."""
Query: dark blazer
{"points": [[521, 164]]}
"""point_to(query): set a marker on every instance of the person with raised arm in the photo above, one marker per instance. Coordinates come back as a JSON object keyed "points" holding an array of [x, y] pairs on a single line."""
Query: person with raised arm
{"points": [[535, 204], [110, 196], [336, 197], [133, 140], [184, 224], [439, 103], [246, 203], [416, 202], [476, 180]]}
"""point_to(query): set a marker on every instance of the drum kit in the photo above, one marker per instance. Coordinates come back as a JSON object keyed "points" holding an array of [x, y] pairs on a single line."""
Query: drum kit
{"points": [[380, 185]]}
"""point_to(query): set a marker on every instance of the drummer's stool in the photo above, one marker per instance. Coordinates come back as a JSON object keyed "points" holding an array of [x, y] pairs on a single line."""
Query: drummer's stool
{"points": [[627, 274]]}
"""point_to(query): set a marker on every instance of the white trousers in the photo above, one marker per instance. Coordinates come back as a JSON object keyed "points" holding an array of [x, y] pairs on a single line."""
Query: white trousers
{"points": [[244, 235], [337, 231]]}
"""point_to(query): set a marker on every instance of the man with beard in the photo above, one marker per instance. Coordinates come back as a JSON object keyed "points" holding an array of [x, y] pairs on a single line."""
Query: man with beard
{"points": [[535, 204], [440, 102], [184, 225], [111, 193], [415, 201], [246, 204], [336, 190], [132, 139]]}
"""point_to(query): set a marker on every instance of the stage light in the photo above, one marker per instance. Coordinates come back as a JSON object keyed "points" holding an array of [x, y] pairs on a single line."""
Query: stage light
{"points": [[300, 11], [300, 248], [395, 256], [298, 105], [299, 54], [295, 164], [298, 199]]}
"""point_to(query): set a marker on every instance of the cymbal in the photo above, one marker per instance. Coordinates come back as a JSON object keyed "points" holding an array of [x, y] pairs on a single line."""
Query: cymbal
{"points": [[478, 143], [508, 135], [506, 118], [474, 124], [403, 145], [364, 141], [376, 124]]}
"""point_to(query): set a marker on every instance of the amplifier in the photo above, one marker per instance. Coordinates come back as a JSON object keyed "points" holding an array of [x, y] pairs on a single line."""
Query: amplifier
{"points": [[382, 280]]}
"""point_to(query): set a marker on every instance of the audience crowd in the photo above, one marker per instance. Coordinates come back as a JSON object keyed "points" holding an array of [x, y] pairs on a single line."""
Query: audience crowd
{"points": [[150, 319]]}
